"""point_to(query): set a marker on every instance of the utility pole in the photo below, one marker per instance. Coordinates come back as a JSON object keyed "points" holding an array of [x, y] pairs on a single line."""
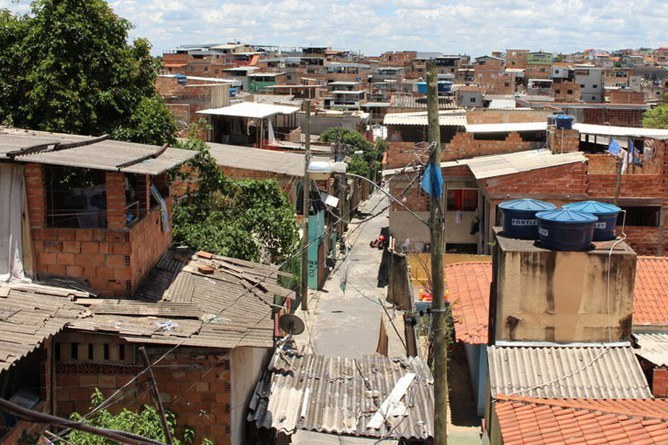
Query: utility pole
{"points": [[440, 350], [306, 205], [156, 396]]}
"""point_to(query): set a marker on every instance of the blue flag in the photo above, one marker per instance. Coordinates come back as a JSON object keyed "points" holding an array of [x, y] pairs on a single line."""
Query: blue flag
{"points": [[432, 180], [614, 147]]}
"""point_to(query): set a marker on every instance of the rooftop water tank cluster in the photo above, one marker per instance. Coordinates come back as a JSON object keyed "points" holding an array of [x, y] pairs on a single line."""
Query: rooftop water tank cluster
{"points": [[570, 228]]}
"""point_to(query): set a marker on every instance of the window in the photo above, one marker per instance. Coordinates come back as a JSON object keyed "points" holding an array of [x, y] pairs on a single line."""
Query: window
{"points": [[472, 100], [569, 92], [557, 91], [462, 199], [640, 216], [594, 86]]}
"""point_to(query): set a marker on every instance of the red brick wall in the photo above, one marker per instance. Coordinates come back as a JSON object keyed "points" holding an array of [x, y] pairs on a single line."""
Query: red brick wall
{"points": [[627, 97], [194, 383], [631, 186], [569, 178], [113, 260], [660, 383], [464, 145], [564, 141], [401, 154], [487, 116], [613, 116]]}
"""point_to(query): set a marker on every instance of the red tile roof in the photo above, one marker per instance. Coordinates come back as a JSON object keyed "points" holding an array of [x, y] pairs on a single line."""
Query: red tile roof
{"points": [[650, 298], [526, 420], [468, 290]]}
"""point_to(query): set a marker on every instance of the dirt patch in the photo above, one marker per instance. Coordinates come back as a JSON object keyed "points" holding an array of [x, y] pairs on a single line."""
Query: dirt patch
{"points": [[462, 409]]}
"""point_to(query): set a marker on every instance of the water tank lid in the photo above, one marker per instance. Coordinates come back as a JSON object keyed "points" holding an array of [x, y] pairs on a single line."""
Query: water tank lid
{"points": [[566, 216], [527, 204], [598, 208]]}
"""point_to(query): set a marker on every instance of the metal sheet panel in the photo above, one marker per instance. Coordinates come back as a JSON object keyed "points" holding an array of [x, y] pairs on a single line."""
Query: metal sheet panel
{"points": [[340, 395], [592, 372], [455, 119], [610, 130], [252, 110], [653, 347]]}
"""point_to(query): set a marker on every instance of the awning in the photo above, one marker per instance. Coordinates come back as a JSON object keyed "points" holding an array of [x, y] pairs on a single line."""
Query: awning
{"points": [[252, 110], [610, 130], [506, 128]]}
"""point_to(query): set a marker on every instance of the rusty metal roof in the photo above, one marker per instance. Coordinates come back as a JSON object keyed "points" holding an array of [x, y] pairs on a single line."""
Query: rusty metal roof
{"points": [[341, 395], [194, 299], [107, 154], [594, 372], [30, 314]]}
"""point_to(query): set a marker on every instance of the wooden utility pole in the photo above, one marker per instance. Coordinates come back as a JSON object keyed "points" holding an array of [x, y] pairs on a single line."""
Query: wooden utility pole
{"points": [[156, 396], [440, 349], [306, 205]]}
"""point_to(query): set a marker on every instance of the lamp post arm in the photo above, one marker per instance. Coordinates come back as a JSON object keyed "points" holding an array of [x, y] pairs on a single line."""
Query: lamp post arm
{"points": [[392, 198]]}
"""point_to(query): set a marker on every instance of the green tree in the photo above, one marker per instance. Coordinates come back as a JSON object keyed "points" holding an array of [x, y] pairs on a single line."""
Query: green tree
{"points": [[144, 422], [364, 156], [72, 70], [246, 219], [656, 117]]}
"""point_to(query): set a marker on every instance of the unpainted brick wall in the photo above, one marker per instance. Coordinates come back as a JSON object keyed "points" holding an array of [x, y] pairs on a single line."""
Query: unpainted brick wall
{"points": [[660, 383], [194, 383], [464, 146]]}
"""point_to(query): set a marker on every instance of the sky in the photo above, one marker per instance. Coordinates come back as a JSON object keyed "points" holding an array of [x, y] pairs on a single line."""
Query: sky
{"points": [[474, 27]]}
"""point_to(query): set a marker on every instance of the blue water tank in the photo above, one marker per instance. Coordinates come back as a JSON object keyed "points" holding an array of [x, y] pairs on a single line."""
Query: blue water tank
{"points": [[519, 217], [444, 86], [422, 87], [181, 79], [565, 229], [233, 92], [563, 121], [604, 229]]}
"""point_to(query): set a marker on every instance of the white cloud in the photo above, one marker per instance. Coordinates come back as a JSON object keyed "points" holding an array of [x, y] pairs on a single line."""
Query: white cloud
{"points": [[374, 26]]}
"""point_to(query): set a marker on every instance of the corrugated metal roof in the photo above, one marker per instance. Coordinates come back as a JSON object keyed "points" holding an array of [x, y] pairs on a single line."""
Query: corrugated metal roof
{"points": [[403, 101], [506, 128], [610, 130], [251, 110], [341, 395], [256, 159], [456, 119], [105, 155], [594, 372], [653, 347], [30, 314], [526, 420], [227, 306], [507, 164]]}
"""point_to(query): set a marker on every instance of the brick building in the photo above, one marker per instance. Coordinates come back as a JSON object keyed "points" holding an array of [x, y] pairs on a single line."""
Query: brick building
{"points": [[483, 170], [208, 321]]}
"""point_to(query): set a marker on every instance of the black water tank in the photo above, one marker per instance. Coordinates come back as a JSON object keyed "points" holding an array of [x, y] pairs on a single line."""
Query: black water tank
{"points": [[604, 229], [565, 229], [519, 217]]}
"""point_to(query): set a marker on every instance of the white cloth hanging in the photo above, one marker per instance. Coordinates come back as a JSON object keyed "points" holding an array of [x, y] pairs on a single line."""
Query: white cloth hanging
{"points": [[12, 194]]}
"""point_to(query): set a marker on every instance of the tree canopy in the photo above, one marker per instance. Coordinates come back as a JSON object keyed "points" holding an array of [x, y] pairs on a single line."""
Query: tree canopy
{"points": [[68, 67], [364, 156], [246, 219], [656, 117]]}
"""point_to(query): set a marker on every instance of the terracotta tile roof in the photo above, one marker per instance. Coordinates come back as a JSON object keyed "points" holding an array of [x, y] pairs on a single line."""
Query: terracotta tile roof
{"points": [[468, 290], [650, 298], [526, 420]]}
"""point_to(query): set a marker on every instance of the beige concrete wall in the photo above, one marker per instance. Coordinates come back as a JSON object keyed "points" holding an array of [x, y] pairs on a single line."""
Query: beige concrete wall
{"points": [[247, 365], [404, 225], [545, 295]]}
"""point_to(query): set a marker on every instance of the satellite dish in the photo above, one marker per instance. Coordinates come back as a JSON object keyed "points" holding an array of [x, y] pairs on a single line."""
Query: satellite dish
{"points": [[648, 150], [291, 324]]}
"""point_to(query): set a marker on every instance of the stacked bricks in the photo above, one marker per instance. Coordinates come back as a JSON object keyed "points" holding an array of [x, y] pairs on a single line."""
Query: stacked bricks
{"points": [[624, 117], [115, 188], [660, 383], [34, 180], [465, 146], [111, 261], [568, 178], [564, 141]]}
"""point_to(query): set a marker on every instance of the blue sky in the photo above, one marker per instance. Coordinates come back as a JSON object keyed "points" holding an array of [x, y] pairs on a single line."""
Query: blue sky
{"points": [[474, 27]]}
